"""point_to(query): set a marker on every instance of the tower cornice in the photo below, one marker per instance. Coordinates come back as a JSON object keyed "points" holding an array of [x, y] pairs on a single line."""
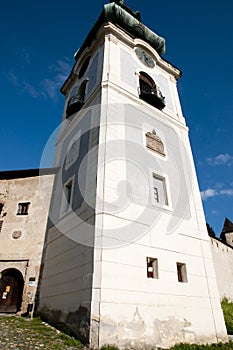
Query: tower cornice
{"points": [[111, 30]]}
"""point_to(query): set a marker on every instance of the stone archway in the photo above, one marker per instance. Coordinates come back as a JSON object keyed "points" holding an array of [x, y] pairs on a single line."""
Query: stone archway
{"points": [[11, 290]]}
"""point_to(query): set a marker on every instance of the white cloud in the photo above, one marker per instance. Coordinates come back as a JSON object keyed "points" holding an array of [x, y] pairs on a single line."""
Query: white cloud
{"points": [[221, 159], [212, 192], [30, 89], [13, 79], [227, 192], [61, 66], [48, 87], [214, 212], [59, 72]]}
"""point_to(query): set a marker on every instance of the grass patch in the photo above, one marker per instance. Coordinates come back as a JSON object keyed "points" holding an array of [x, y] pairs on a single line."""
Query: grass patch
{"points": [[69, 341], [219, 346], [227, 308]]}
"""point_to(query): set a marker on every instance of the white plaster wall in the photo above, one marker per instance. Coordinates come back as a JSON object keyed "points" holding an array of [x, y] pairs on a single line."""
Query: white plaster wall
{"points": [[122, 68], [66, 287], [128, 308], [223, 264]]}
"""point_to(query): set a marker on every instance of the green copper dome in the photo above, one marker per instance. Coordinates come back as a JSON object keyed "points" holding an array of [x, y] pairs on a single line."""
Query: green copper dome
{"points": [[118, 13]]}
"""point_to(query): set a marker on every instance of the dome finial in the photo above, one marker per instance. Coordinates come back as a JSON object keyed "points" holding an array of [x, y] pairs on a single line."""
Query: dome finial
{"points": [[118, 1], [121, 3]]}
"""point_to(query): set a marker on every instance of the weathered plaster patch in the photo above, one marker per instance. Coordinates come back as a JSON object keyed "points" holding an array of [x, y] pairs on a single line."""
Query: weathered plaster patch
{"points": [[134, 334], [172, 331]]}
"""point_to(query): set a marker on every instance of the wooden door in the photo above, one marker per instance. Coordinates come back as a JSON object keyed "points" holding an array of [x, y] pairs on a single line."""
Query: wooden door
{"points": [[11, 290]]}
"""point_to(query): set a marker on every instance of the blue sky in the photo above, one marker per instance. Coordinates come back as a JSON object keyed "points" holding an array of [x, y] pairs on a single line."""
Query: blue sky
{"points": [[39, 39]]}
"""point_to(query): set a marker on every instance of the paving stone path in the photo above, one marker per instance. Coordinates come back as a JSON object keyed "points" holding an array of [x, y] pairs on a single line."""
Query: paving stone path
{"points": [[21, 333]]}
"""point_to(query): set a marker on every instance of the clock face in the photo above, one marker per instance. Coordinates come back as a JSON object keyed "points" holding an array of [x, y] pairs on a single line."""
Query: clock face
{"points": [[145, 57]]}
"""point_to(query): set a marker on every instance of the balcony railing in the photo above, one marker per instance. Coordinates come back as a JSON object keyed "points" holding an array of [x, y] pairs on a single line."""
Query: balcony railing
{"points": [[151, 95]]}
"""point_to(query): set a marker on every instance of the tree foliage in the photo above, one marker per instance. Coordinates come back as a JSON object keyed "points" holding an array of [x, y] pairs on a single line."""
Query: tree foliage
{"points": [[210, 230]]}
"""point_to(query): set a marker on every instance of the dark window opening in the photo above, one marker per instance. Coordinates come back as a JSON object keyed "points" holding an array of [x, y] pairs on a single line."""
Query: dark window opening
{"points": [[68, 191], [1, 224], [150, 92], [67, 197], [84, 67], [77, 99], [152, 268], [1, 208], [23, 208], [181, 272]]}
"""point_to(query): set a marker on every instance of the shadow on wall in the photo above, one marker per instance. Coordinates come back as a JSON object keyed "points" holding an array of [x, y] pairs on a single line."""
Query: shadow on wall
{"points": [[75, 323]]}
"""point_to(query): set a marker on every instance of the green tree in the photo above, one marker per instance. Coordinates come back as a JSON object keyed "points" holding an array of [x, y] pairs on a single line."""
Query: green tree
{"points": [[210, 230]]}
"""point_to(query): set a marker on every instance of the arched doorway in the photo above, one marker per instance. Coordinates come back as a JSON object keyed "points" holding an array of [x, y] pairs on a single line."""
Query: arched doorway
{"points": [[11, 290]]}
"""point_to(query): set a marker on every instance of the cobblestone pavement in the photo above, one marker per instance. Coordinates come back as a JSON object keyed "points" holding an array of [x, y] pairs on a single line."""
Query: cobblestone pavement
{"points": [[23, 333]]}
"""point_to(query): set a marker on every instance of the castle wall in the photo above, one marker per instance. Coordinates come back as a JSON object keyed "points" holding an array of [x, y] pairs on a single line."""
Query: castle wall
{"points": [[223, 264], [22, 236]]}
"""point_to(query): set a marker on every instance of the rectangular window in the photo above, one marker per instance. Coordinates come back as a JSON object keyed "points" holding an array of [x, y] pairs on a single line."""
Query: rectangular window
{"points": [[23, 208], [152, 268], [73, 150], [68, 192], [159, 190], [1, 224], [67, 196], [181, 272], [32, 282]]}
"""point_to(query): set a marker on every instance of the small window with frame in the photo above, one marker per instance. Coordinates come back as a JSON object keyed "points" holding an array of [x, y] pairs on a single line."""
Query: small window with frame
{"points": [[23, 208], [73, 150], [152, 268], [32, 281], [159, 191], [181, 272], [67, 196]]}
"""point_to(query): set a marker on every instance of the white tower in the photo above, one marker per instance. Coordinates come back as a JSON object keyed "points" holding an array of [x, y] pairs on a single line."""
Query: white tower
{"points": [[127, 258]]}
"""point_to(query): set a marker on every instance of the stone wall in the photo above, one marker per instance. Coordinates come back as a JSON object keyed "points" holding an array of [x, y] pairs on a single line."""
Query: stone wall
{"points": [[22, 236]]}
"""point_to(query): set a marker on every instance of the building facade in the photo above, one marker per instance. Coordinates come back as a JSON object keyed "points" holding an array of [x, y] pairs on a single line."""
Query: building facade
{"points": [[23, 221], [127, 255]]}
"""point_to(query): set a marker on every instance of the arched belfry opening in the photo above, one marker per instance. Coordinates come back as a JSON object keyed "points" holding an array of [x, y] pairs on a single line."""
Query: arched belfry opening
{"points": [[11, 291], [150, 92], [77, 99]]}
